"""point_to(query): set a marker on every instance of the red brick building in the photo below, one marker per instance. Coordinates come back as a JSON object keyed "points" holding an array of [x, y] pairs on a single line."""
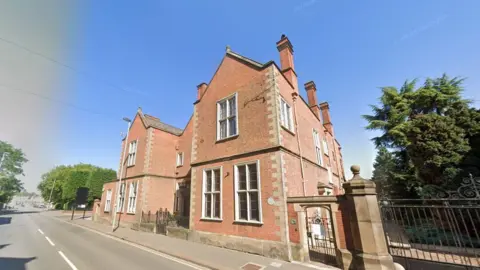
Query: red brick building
{"points": [[252, 142], [156, 171]]}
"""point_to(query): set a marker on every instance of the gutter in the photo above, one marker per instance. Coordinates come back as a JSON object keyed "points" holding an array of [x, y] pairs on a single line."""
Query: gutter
{"points": [[294, 96]]}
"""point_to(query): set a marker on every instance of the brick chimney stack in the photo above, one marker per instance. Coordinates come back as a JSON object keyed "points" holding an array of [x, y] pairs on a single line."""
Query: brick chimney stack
{"points": [[286, 60], [311, 90], [327, 122], [201, 90]]}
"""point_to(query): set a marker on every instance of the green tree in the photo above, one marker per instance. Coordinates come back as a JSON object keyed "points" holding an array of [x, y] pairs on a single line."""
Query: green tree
{"points": [[95, 183], [383, 172], [11, 168], [68, 178], [76, 178], [430, 131], [436, 148], [55, 179]]}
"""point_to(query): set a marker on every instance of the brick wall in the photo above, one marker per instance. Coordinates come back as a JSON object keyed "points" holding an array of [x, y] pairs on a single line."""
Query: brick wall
{"points": [[153, 193], [184, 144], [293, 228], [232, 77], [163, 153], [307, 121], [137, 132], [312, 174], [271, 214], [160, 193]]}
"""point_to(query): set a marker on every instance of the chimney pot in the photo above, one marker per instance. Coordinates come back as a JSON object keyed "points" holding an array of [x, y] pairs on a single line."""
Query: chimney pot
{"points": [[201, 90], [285, 49], [311, 90], [327, 122]]}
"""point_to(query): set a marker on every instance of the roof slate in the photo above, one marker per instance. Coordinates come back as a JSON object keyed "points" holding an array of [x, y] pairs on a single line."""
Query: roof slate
{"points": [[151, 121]]}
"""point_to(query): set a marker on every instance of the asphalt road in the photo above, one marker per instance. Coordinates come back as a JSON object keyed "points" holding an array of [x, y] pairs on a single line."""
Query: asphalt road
{"points": [[30, 240]]}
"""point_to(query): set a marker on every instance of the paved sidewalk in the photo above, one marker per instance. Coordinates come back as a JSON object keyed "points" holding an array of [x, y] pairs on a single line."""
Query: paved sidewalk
{"points": [[208, 256]]}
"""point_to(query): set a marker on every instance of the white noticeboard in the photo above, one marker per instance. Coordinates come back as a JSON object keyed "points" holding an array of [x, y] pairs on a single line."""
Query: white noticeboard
{"points": [[81, 206], [316, 231]]}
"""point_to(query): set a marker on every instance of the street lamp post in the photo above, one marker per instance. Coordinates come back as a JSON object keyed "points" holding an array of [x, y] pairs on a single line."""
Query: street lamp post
{"points": [[4, 155], [119, 182], [51, 192]]}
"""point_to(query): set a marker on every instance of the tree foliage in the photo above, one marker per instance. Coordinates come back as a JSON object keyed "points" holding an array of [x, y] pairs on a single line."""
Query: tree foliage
{"points": [[65, 180], [11, 168], [97, 179], [428, 135]]}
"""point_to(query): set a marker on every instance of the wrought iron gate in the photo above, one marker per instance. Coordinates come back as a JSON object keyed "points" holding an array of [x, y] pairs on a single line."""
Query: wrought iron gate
{"points": [[320, 235], [438, 232]]}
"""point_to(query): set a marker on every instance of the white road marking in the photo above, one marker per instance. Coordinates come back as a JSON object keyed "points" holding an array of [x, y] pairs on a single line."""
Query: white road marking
{"points": [[50, 241], [67, 260], [158, 253], [40, 231], [276, 264]]}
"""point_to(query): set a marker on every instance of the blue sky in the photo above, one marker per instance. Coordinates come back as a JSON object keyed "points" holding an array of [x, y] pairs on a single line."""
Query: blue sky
{"points": [[156, 52]]}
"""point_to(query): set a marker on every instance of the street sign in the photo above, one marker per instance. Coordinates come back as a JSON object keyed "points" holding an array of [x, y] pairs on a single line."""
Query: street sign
{"points": [[81, 200], [82, 196]]}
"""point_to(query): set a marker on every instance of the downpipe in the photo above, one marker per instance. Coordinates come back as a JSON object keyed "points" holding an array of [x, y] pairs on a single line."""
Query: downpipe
{"points": [[294, 96]]}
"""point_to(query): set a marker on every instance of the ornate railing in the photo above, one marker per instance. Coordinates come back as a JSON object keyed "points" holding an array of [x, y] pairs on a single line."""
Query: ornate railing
{"points": [[442, 227]]}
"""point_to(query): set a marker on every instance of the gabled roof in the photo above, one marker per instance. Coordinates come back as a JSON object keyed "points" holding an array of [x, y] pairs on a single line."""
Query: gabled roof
{"points": [[254, 64], [246, 59], [154, 122], [151, 121]]}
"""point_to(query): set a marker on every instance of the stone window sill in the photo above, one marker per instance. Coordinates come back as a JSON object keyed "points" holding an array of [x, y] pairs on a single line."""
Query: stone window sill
{"points": [[246, 222], [212, 219], [288, 130], [227, 139]]}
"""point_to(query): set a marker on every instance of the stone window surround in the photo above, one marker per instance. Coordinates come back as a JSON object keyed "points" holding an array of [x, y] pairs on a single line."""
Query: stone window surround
{"points": [[204, 177], [108, 201], [318, 147], [259, 192], [286, 115], [132, 153], [325, 146], [226, 99], [132, 195], [121, 198], [180, 158]]}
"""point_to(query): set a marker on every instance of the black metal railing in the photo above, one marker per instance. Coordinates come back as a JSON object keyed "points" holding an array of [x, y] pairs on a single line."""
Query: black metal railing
{"points": [[436, 230], [163, 218]]}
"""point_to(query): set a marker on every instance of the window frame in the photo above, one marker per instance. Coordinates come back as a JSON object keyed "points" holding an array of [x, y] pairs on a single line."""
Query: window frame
{"points": [[132, 209], [204, 192], [132, 153], [317, 146], [227, 117], [247, 189], [121, 198], [180, 159], [330, 175], [325, 146], [288, 113], [108, 201]]}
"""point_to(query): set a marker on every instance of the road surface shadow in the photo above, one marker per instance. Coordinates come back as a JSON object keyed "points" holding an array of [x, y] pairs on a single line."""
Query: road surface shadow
{"points": [[15, 263], [13, 212], [5, 220]]}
